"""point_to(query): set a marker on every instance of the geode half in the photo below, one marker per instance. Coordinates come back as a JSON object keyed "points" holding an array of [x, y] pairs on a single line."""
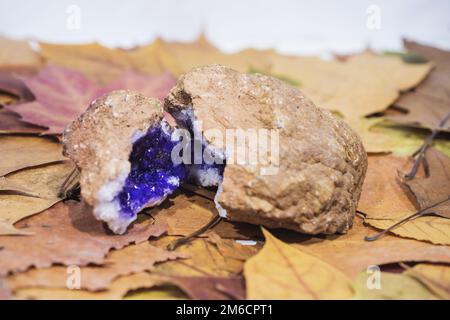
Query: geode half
{"points": [[122, 145], [321, 165]]}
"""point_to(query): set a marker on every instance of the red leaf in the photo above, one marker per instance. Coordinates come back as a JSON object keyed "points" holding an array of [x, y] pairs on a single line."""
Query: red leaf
{"points": [[63, 94]]}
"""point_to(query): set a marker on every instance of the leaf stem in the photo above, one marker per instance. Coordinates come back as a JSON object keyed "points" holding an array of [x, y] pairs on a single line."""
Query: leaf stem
{"points": [[404, 220], [420, 153], [211, 224], [70, 181]]}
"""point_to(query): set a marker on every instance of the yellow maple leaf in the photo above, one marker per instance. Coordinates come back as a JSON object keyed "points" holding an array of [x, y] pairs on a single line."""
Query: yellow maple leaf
{"points": [[280, 271]]}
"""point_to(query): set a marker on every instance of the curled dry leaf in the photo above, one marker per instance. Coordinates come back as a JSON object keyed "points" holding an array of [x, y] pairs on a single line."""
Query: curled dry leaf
{"points": [[19, 152], [280, 271], [129, 260], [67, 234]]}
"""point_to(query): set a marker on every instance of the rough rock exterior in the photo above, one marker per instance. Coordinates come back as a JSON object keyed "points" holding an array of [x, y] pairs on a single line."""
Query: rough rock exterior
{"points": [[322, 162], [100, 143]]}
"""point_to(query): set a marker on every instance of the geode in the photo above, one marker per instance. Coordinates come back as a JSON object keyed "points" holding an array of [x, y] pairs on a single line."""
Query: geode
{"points": [[123, 147]]}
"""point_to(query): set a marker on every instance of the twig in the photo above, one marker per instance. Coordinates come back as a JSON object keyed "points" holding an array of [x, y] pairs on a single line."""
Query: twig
{"points": [[69, 184], [420, 153], [419, 213], [211, 224]]}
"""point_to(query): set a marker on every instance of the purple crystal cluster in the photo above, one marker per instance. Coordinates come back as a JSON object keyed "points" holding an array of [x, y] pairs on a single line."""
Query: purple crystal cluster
{"points": [[153, 175]]}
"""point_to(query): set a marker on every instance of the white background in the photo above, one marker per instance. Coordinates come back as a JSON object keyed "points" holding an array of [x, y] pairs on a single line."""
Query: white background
{"points": [[289, 26]]}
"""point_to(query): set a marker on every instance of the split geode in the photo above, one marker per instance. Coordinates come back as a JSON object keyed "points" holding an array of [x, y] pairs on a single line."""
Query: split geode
{"points": [[123, 148]]}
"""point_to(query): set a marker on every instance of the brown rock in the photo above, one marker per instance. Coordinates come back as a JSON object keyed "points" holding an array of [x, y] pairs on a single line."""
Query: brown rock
{"points": [[322, 162]]}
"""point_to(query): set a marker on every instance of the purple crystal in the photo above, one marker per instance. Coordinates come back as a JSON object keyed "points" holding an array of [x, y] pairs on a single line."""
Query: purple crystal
{"points": [[153, 175]]}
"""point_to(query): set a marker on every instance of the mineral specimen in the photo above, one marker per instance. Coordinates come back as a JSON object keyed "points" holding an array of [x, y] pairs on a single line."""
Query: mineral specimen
{"points": [[124, 150], [321, 163]]}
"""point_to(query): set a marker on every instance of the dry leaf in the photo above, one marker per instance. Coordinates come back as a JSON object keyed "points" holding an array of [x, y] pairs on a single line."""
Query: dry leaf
{"points": [[19, 152], [383, 194], [280, 271], [187, 212], [152, 86], [181, 57], [392, 286], [66, 234], [18, 55], [29, 191], [425, 228], [132, 259], [435, 186], [43, 182], [429, 104], [351, 253], [206, 258], [10, 123], [118, 289], [364, 84], [435, 277], [63, 94], [210, 288], [98, 63]]}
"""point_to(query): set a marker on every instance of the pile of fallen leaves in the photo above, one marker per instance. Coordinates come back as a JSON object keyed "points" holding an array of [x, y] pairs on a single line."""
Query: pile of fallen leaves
{"points": [[50, 247]]}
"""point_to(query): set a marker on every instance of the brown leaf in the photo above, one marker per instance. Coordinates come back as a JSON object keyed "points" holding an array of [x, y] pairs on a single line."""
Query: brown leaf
{"points": [[43, 182], [10, 123], [352, 254], [15, 86], [19, 152], [187, 212], [129, 260], [383, 194], [435, 186], [206, 258], [210, 288], [429, 104], [29, 191], [118, 289], [66, 234], [425, 228], [280, 271]]}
